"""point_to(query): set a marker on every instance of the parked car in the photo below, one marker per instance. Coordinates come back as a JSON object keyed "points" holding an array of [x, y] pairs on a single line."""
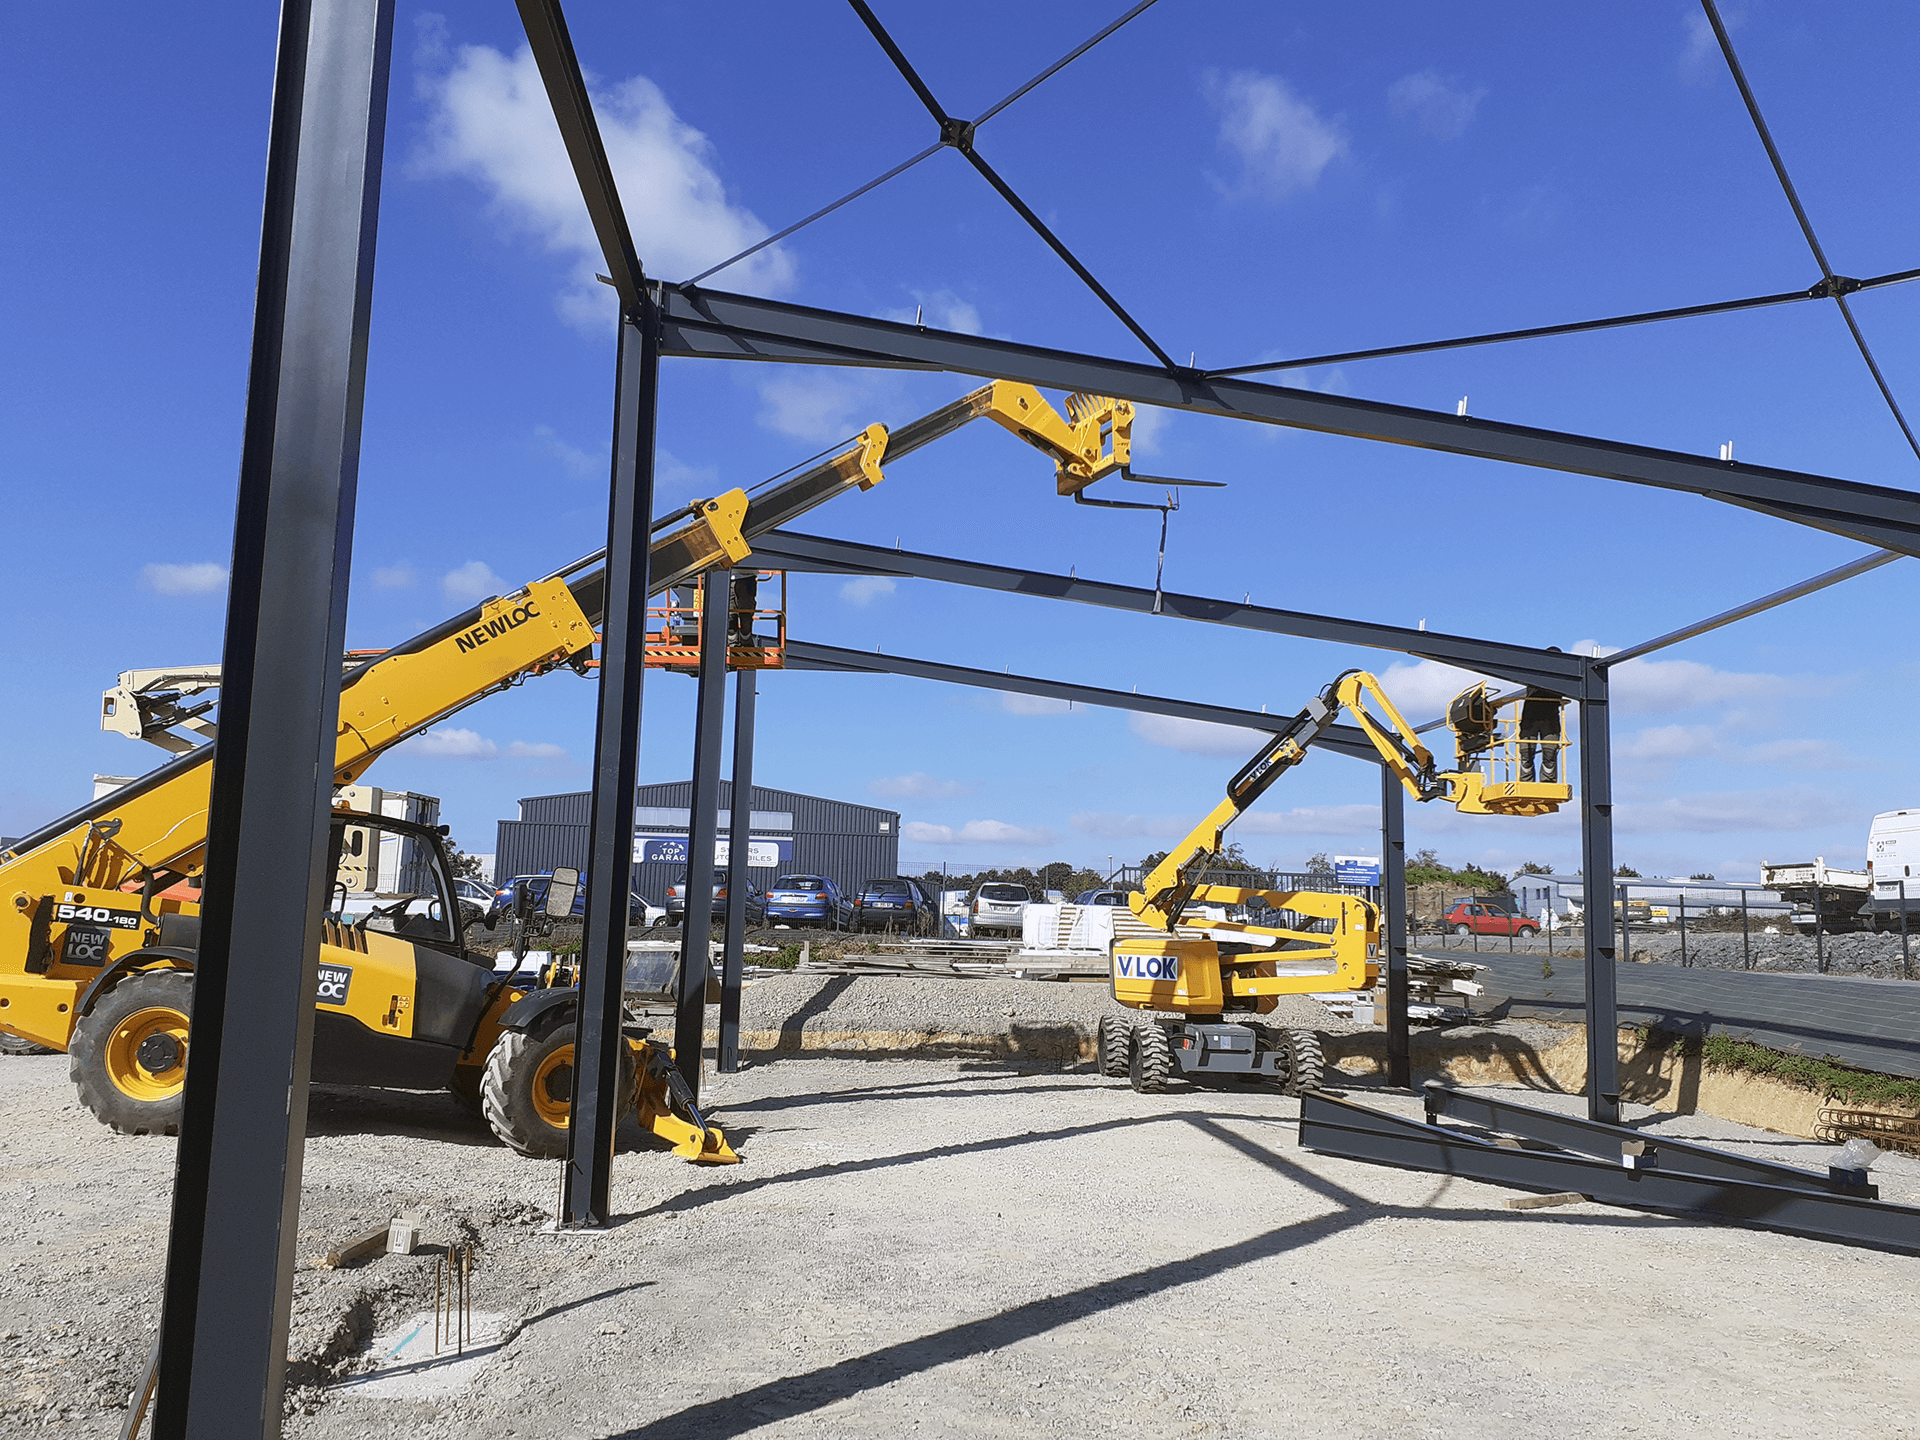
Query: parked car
{"points": [[507, 897], [1102, 897], [1477, 918], [474, 899], [999, 905], [807, 900], [895, 905], [677, 902]]}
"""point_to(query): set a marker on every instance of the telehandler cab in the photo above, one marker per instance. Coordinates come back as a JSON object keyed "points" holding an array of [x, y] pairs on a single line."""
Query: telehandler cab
{"points": [[1217, 981], [99, 922]]}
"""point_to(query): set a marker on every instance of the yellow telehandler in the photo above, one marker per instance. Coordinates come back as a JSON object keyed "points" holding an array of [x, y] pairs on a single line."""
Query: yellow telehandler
{"points": [[99, 921]]}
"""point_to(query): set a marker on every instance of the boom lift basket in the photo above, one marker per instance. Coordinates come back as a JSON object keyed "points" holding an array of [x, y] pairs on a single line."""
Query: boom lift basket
{"points": [[674, 641]]}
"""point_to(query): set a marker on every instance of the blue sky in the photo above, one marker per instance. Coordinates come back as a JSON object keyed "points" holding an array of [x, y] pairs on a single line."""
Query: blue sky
{"points": [[1254, 181]]}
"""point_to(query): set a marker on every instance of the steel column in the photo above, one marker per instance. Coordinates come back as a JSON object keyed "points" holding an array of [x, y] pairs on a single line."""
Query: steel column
{"points": [[1596, 853], [616, 771], [1393, 882], [739, 832], [236, 1194], [690, 1022]]}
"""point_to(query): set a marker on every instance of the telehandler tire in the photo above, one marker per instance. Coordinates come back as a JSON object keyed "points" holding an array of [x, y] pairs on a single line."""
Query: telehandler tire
{"points": [[1150, 1059], [526, 1091], [14, 1045], [1111, 1037], [128, 1056]]}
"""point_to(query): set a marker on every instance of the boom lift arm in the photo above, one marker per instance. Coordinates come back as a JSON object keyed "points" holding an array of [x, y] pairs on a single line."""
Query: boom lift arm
{"points": [[1234, 970]]}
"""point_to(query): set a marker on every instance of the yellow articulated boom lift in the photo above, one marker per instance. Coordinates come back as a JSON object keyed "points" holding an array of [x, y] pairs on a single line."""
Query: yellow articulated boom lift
{"points": [[99, 924], [1217, 982]]}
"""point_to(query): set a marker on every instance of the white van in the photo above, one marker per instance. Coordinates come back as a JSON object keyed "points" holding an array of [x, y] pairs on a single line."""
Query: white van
{"points": [[1893, 858]]}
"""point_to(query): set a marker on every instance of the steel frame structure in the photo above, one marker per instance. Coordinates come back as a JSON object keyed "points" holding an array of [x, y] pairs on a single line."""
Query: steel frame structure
{"points": [[243, 1128]]}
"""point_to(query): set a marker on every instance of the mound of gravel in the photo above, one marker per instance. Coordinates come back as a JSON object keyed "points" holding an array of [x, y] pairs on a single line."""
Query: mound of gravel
{"points": [[1863, 954], [1046, 1019]]}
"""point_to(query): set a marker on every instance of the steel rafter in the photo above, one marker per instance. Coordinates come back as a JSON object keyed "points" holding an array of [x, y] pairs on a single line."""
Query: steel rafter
{"points": [[552, 47], [1336, 1126], [715, 325], [1555, 670]]}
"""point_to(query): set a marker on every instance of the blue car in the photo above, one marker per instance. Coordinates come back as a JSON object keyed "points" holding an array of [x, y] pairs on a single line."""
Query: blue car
{"points": [[806, 900], [508, 895]]}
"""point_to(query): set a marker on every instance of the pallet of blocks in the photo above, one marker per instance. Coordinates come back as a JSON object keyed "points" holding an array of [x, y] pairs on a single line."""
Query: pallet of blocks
{"points": [[1439, 992]]}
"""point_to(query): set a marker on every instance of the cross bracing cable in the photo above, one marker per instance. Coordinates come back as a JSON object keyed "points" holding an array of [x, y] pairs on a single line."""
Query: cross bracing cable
{"points": [[1821, 291], [959, 134], [906, 165], [1800, 214]]}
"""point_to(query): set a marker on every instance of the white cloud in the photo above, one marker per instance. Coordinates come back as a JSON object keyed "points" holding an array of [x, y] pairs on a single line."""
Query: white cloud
{"points": [[491, 122], [1112, 825], [203, 578], [917, 786], [1421, 688], [975, 832], [1695, 742], [395, 577], [474, 580], [1669, 742], [1339, 820], [1310, 820], [572, 458], [1790, 808], [1194, 737], [1654, 686], [811, 406], [675, 481], [1016, 704], [864, 589], [938, 310], [453, 743], [1700, 59], [1149, 424], [1282, 141], [1443, 108]]}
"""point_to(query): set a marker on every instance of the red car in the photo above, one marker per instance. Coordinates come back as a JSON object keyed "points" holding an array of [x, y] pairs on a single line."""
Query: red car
{"points": [[1475, 918]]}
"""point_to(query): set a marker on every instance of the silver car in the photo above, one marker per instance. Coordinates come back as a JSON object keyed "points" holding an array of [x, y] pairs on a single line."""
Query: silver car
{"points": [[999, 906]]}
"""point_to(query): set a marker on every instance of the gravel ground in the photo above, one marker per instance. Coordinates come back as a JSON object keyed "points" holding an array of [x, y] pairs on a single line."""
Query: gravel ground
{"points": [[794, 1004], [939, 1247]]}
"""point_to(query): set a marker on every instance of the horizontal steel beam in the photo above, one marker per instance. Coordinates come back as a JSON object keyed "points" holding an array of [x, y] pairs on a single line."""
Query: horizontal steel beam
{"points": [[802, 655], [1340, 1127], [717, 325], [1554, 670], [1596, 1137]]}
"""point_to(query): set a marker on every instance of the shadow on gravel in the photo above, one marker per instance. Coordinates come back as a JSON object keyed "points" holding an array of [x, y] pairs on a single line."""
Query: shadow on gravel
{"points": [[797, 1395], [334, 1110]]}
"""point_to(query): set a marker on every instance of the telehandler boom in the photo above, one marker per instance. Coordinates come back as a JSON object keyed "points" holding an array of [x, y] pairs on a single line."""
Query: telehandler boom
{"points": [[1237, 969], [99, 928]]}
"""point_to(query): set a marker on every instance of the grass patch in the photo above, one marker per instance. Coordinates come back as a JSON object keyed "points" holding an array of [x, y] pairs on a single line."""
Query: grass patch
{"points": [[787, 959], [1825, 1077]]}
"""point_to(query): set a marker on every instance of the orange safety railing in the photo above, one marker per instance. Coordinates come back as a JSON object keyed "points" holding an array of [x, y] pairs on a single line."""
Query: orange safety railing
{"points": [[673, 633]]}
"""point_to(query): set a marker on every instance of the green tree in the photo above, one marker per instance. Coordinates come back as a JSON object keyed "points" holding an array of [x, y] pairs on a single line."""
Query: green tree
{"points": [[1701, 875], [1627, 872], [1533, 868]]}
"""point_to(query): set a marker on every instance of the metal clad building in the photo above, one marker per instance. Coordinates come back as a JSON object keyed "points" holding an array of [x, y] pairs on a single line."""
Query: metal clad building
{"points": [[790, 834]]}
